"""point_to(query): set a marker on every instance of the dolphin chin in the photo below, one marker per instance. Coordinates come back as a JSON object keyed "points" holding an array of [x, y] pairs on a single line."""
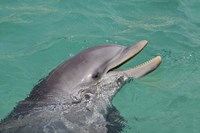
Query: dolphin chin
{"points": [[76, 97]]}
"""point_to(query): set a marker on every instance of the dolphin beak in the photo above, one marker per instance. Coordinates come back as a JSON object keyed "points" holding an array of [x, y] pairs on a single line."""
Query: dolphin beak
{"points": [[140, 70], [143, 69]]}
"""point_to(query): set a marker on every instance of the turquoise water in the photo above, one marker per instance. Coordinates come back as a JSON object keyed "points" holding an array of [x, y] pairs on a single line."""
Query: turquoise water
{"points": [[36, 36]]}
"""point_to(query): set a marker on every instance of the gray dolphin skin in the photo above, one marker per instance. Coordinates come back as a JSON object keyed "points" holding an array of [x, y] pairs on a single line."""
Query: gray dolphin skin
{"points": [[76, 97]]}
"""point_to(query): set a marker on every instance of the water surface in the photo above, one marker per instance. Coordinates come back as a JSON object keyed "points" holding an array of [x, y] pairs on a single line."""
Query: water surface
{"points": [[36, 36]]}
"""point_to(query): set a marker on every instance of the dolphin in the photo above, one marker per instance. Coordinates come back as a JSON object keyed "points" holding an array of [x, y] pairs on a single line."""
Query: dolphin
{"points": [[76, 97]]}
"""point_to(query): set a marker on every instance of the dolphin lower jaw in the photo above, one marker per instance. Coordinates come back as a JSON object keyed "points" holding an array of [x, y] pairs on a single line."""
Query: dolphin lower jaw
{"points": [[140, 70], [143, 69]]}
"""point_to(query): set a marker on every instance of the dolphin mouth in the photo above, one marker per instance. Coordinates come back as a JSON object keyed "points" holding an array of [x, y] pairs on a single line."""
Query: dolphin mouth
{"points": [[140, 70]]}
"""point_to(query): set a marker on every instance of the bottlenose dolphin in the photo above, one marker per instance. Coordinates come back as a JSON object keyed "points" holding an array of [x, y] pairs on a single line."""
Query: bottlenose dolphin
{"points": [[76, 96]]}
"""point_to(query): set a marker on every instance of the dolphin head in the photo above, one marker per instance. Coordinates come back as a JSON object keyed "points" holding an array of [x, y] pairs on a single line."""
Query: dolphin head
{"points": [[91, 76], [82, 76], [78, 93]]}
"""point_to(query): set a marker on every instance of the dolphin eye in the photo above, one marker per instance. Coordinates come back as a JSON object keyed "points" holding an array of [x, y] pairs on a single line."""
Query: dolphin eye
{"points": [[96, 76]]}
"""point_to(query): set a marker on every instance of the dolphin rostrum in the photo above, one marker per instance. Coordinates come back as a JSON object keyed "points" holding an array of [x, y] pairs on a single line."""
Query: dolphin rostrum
{"points": [[76, 96]]}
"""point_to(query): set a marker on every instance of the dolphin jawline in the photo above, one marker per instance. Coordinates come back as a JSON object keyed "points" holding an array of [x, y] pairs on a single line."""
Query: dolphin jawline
{"points": [[139, 70]]}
